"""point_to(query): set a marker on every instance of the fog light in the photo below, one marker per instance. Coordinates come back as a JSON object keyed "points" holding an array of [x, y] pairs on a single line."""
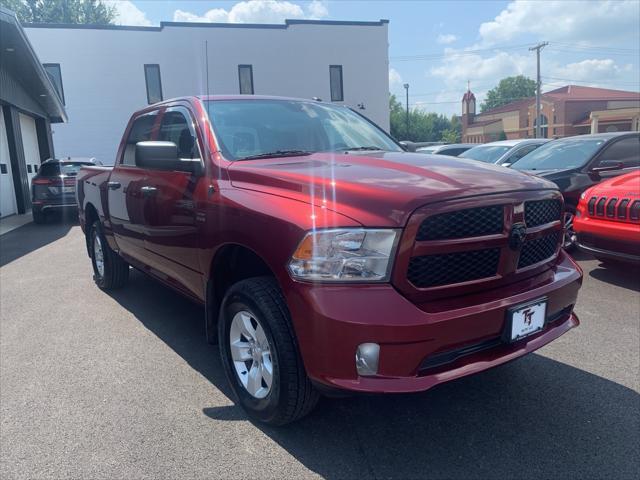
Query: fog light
{"points": [[367, 356]]}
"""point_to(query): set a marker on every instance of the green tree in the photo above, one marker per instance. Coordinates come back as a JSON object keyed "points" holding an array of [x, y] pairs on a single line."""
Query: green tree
{"points": [[509, 90], [61, 11], [423, 126]]}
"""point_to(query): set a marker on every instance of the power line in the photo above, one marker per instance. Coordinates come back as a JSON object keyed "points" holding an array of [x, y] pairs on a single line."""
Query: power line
{"points": [[430, 56], [594, 47], [588, 81]]}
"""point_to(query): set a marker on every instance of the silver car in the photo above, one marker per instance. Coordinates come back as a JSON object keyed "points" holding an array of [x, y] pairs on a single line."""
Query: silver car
{"points": [[504, 152]]}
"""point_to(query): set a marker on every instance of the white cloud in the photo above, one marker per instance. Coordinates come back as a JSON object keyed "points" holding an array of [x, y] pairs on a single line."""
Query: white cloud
{"points": [[318, 9], [256, 11], [592, 70], [588, 21], [458, 66], [395, 79], [128, 14], [446, 38]]}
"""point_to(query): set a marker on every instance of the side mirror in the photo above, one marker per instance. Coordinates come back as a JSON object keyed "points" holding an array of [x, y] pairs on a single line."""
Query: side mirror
{"points": [[408, 146], [607, 167], [164, 156]]}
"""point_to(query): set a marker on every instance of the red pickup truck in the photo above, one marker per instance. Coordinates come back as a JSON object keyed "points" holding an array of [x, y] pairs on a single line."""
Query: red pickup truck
{"points": [[328, 259]]}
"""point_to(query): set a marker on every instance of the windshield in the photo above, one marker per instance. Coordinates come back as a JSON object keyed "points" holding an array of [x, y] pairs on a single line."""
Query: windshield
{"points": [[560, 154], [66, 168], [249, 128], [485, 153]]}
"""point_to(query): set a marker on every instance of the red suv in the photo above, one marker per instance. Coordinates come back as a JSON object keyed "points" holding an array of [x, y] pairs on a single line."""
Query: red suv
{"points": [[608, 219]]}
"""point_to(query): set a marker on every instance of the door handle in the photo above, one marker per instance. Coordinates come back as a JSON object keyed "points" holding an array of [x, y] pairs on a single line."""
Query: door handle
{"points": [[114, 185], [148, 191]]}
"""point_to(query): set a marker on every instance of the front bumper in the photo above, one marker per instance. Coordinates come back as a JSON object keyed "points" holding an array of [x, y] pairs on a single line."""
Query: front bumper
{"points": [[331, 321]]}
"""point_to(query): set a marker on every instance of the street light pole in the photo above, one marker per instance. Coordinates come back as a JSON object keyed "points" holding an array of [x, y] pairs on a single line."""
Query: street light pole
{"points": [[406, 87], [537, 48]]}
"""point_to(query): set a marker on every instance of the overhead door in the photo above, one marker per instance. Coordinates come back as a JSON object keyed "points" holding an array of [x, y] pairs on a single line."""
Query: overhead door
{"points": [[8, 204], [30, 145]]}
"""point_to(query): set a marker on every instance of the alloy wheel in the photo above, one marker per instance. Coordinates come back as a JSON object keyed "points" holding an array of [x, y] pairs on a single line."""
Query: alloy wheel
{"points": [[98, 255], [251, 354]]}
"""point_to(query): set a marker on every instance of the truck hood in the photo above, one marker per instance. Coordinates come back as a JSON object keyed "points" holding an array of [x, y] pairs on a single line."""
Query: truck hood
{"points": [[378, 188]]}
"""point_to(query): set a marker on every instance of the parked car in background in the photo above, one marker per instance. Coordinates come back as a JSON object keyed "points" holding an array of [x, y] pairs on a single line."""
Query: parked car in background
{"points": [[577, 163], [53, 188], [451, 149], [504, 152], [607, 222], [329, 259]]}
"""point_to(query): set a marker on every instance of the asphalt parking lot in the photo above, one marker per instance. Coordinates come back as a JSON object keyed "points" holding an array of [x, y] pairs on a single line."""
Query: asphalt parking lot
{"points": [[123, 385]]}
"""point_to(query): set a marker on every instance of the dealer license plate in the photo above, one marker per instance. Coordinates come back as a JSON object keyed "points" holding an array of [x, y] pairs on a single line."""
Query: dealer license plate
{"points": [[527, 319]]}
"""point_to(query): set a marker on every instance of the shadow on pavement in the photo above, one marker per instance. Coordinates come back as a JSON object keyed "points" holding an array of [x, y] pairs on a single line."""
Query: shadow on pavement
{"points": [[31, 237], [621, 275], [533, 418]]}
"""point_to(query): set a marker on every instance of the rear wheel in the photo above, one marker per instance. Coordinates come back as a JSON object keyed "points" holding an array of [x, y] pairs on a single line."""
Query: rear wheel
{"points": [[260, 355], [109, 270]]}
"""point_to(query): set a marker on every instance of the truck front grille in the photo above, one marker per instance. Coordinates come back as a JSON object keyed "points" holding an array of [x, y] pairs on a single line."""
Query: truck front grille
{"points": [[541, 212], [435, 270], [471, 222], [535, 251], [468, 249]]}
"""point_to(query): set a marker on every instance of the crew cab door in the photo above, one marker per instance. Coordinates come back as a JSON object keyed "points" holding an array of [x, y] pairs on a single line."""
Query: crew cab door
{"points": [[170, 198], [124, 198]]}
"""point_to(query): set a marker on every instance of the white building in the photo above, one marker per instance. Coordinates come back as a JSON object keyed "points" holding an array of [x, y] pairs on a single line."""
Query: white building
{"points": [[107, 72]]}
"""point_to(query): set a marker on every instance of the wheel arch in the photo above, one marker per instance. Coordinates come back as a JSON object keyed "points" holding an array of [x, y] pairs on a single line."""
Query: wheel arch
{"points": [[231, 263]]}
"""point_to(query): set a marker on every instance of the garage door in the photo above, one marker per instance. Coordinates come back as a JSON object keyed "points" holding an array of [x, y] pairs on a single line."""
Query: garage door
{"points": [[7, 193], [30, 145]]}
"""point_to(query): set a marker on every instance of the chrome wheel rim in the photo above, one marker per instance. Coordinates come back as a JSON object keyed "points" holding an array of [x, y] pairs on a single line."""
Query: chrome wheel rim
{"points": [[251, 354], [98, 255], [569, 233]]}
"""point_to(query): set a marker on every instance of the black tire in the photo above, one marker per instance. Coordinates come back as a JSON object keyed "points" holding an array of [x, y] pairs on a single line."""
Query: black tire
{"points": [[291, 396], [569, 238], [116, 271], [39, 217]]}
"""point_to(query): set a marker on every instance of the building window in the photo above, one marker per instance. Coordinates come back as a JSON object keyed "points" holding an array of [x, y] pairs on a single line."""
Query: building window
{"points": [[55, 75], [245, 77], [555, 118], [154, 84], [335, 79]]}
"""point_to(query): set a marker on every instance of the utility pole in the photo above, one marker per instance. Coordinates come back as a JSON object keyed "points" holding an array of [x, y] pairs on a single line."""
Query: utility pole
{"points": [[537, 48], [406, 87]]}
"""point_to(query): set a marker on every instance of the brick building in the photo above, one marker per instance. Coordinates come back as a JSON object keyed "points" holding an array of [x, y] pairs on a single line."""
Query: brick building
{"points": [[565, 111]]}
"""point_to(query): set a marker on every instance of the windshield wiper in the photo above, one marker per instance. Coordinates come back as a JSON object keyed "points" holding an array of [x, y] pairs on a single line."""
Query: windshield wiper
{"points": [[277, 153], [355, 149]]}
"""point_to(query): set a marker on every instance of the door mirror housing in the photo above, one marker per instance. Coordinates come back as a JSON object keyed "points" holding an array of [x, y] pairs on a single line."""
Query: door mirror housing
{"points": [[164, 156]]}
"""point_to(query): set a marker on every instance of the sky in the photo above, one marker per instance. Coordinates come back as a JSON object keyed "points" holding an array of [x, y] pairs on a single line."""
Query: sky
{"points": [[439, 47]]}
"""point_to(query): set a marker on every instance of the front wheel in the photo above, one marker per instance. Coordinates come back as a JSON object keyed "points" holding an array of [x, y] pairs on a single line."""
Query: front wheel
{"points": [[570, 237], [109, 270], [260, 355]]}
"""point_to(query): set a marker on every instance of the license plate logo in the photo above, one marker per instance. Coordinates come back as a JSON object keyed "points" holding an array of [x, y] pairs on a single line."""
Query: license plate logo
{"points": [[528, 319]]}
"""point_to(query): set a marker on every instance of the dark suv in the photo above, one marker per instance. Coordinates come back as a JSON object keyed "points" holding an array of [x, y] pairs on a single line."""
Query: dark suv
{"points": [[577, 163], [54, 187]]}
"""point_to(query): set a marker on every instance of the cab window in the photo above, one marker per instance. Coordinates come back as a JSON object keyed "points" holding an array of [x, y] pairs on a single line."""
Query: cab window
{"points": [[626, 151], [176, 126], [141, 130]]}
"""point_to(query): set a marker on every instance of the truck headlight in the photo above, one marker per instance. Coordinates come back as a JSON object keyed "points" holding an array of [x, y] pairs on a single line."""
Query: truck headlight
{"points": [[345, 255]]}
